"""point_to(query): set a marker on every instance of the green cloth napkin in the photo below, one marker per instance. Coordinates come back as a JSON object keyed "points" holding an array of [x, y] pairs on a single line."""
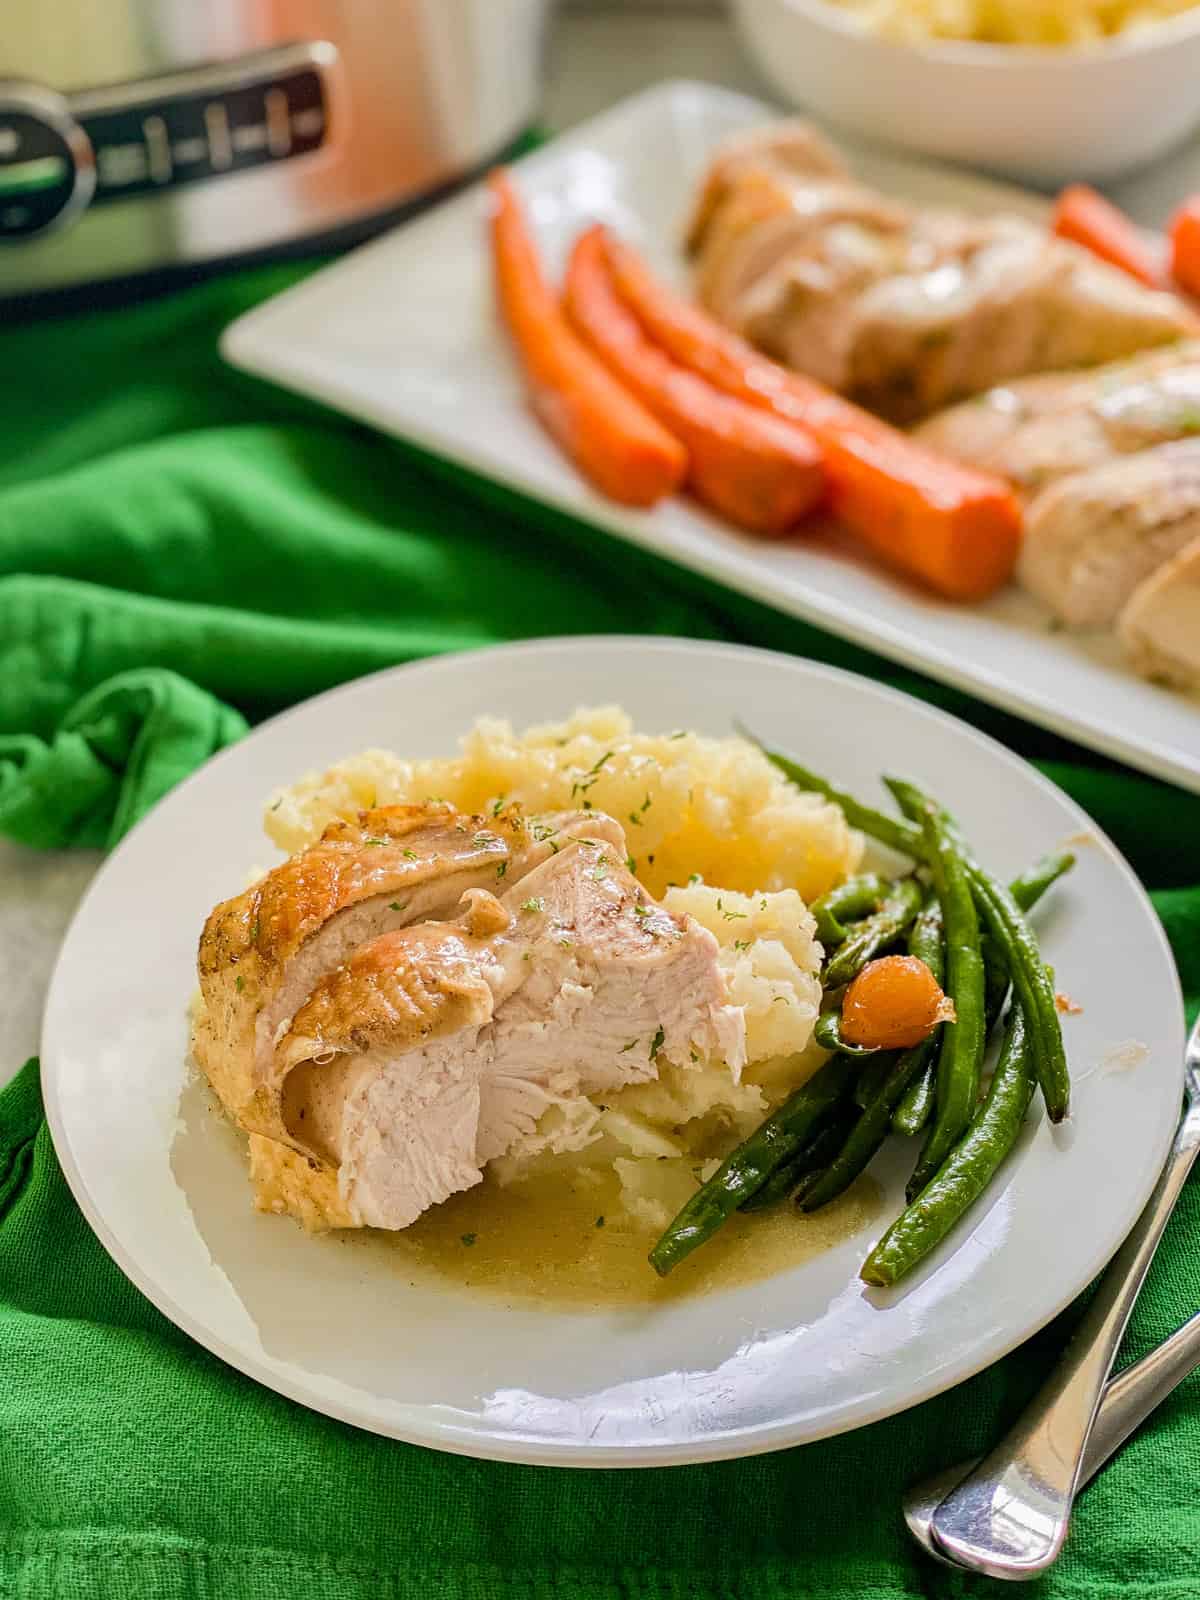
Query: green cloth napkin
{"points": [[183, 551]]}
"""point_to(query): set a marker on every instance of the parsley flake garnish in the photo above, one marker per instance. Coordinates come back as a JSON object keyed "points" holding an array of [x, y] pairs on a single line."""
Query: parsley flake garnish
{"points": [[730, 916], [411, 855], [694, 879], [625, 1049], [498, 805], [632, 865], [656, 1043], [533, 904], [599, 1222], [695, 1055], [239, 983], [469, 1238], [502, 869], [398, 905], [741, 944], [375, 839]]}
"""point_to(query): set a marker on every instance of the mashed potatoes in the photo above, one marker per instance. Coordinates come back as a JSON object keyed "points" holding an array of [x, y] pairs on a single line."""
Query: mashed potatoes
{"points": [[717, 834], [690, 806], [1023, 22]]}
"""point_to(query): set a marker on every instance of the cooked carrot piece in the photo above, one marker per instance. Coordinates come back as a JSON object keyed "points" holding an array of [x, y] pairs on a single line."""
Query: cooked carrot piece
{"points": [[1185, 246], [893, 1004], [611, 437], [955, 529], [1087, 218], [760, 472]]}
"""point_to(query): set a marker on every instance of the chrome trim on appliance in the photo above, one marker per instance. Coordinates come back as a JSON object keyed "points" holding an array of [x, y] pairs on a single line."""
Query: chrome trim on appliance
{"points": [[55, 111], [215, 77]]}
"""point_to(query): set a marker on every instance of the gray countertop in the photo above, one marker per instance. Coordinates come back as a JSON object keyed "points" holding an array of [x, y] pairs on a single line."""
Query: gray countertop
{"points": [[597, 55]]}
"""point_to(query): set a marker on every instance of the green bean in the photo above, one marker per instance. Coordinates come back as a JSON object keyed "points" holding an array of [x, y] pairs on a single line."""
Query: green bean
{"points": [[1026, 890], [927, 936], [828, 1034], [926, 940], [815, 1155], [869, 1131], [912, 1113], [961, 1055], [1032, 985], [1029, 887], [873, 1076], [849, 901], [882, 1085], [967, 1170], [897, 835], [874, 933], [747, 1168]]}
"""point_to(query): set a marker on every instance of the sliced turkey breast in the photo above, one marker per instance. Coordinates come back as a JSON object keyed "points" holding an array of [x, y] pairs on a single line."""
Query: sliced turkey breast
{"points": [[789, 146], [1160, 625], [1092, 538], [902, 309], [438, 1047], [262, 951], [1041, 429]]}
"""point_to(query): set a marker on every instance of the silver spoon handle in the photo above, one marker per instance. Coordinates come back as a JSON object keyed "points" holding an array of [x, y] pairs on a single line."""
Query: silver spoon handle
{"points": [[1010, 1517]]}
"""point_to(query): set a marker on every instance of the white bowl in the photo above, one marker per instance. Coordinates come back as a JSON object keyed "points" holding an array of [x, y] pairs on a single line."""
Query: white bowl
{"points": [[1047, 116]]}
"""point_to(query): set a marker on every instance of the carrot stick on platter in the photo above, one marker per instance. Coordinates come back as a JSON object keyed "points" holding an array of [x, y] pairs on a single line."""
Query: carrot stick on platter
{"points": [[611, 437], [1185, 246], [756, 470], [1088, 219], [956, 530]]}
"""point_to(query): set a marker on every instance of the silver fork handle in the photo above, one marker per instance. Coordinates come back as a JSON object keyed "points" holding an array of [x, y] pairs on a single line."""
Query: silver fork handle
{"points": [[1009, 1518], [1133, 1394]]}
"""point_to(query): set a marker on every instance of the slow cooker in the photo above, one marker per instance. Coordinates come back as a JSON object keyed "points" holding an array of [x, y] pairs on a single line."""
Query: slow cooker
{"points": [[141, 135]]}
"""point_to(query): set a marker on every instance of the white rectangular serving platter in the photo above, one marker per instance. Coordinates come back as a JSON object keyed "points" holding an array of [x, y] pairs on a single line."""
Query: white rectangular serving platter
{"points": [[403, 335]]}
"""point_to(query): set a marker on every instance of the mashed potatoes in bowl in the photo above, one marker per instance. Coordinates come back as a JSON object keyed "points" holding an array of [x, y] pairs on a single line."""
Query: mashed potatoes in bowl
{"points": [[720, 840]]}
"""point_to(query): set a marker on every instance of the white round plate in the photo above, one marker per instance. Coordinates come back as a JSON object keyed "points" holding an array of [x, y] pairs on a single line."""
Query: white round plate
{"points": [[801, 1354]]}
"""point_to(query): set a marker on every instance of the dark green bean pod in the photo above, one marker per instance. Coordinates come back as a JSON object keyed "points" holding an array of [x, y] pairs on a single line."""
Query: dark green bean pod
{"points": [[850, 900], [746, 1169], [1032, 985], [926, 939], [961, 1057], [869, 1131], [874, 933], [967, 1170], [873, 1076], [1026, 890], [916, 1103], [816, 1154]]}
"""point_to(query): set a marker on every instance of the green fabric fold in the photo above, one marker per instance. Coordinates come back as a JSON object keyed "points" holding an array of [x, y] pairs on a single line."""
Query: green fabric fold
{"points": [[115, 753], [183, 552]]}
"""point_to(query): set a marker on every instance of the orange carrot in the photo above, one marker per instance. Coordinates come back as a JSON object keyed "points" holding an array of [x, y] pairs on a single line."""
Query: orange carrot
{"points": [[611, 437], [761, 473], [893, 1004], [1087, 218], [1185, 246], [955, 529]]}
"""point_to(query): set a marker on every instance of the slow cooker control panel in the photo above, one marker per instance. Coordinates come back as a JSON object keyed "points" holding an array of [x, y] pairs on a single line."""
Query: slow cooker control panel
{"points": [[60, 154]]}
